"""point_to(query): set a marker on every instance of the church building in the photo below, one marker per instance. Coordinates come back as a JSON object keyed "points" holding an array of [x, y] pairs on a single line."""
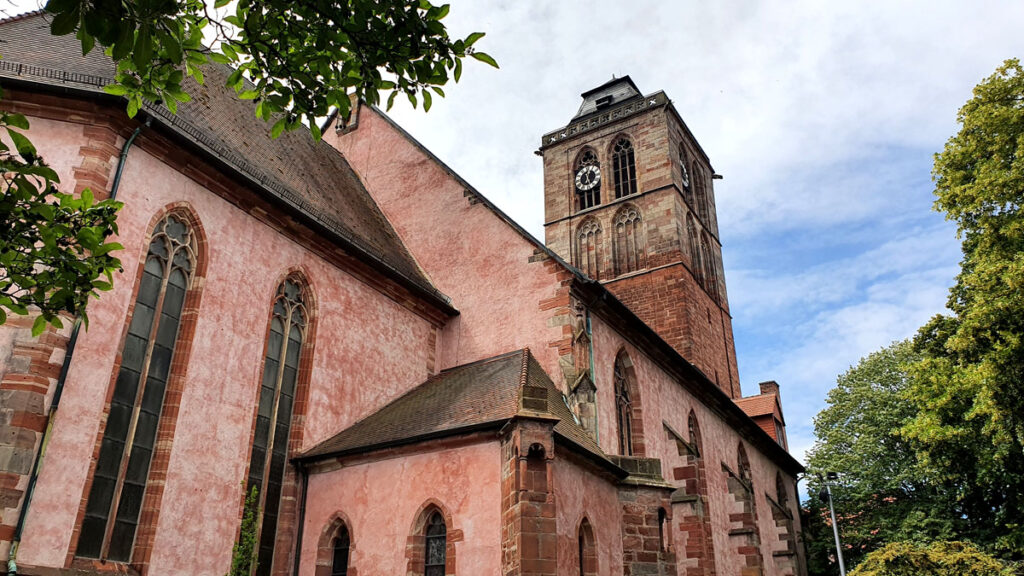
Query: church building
{"points": [[396, 376]]}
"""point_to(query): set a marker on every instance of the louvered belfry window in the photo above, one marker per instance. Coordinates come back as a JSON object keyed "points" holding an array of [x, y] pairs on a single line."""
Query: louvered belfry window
{"points": [[129, 438], [274, 414], [624, 168], [436, 545]]}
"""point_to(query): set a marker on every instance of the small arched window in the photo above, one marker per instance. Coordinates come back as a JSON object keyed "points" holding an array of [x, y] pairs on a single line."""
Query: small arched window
{"points": [[694, 434], [743, 463], [623, 409], [629, 246], [662, 521], [269, 454], [587, 551], [696, 265], [147, 357], [588, 254], [339, 557], [624, 168], [436, 545], [587, 179]]}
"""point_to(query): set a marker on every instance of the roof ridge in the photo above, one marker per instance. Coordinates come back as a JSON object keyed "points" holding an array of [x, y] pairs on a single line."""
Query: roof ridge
{"points": [[526, 367], [501, 356], [22, 16]]}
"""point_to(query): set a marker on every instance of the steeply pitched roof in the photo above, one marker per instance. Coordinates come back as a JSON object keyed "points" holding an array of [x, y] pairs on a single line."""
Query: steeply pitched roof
{"points": [[612, 92], [480, 395], [760, 405], [309, 177]]}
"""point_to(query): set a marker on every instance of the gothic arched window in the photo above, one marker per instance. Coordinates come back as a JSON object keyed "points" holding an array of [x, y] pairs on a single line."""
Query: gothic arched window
{"points": [[436, 545], [588, 255], [623, 410], [274, 413], [710, 266], [684, 173], [743, 463], [628, 245], [780, 492], [624, 168], [696, 266], [587, 175], [339, 554], [694, 434], [587, 549], [129, 438], [700, 193]]}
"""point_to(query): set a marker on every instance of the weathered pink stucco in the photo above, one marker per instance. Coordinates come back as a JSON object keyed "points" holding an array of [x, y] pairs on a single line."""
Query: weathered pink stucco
{"points": [[368, 349], [581, 494], [468, 252], [380, 501]]}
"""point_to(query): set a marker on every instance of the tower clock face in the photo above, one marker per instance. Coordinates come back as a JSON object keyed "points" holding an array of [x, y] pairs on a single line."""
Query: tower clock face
{"points": [[588, 177]]}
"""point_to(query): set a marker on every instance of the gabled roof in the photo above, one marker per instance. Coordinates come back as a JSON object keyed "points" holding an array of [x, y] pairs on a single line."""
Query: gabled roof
{"points": [[481, 395], [306, 177], [760, 405]]}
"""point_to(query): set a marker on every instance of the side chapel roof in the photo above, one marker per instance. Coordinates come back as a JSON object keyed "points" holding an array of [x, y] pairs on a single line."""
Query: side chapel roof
{"points": [[311, 178]]}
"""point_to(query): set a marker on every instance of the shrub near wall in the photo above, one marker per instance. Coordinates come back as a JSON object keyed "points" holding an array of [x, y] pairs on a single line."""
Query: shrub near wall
{"points": [[935, 559]]}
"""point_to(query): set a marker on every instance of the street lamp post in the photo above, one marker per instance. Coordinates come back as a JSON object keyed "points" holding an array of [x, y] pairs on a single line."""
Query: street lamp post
{"points": [[835, 524]]}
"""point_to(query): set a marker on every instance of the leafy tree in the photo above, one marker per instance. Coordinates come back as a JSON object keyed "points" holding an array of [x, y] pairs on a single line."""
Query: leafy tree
{"points": [[243, 554], [302, 58], [881, 494], [969, 389], [53, 249], [935, 559]]}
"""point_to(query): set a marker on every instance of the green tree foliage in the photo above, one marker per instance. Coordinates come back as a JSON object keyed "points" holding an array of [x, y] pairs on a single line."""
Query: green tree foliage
{"points": [[302, 59], [935, 559], [53, 249], [881, 495], [969, 389], [243, 554]]}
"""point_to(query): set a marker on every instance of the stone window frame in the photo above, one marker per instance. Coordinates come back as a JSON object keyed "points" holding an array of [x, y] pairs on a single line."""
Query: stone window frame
{"points": [[326, 544], [624, 174], [696, 265], [589, 233], [589, 198], [626, 257], [631, 415], [145, 531], [287, 516], [415, 547], [586, 549]]}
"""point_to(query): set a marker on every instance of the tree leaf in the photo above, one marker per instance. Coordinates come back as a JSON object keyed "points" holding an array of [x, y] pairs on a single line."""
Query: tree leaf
{"points": [[485, 58]]}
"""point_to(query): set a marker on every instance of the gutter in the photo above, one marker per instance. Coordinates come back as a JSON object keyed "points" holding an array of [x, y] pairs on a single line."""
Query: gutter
{"points": [[51, 417]]}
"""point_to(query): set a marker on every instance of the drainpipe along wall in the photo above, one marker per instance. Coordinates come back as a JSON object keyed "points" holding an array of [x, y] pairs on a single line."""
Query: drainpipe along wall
{"points": [[51, 418]]}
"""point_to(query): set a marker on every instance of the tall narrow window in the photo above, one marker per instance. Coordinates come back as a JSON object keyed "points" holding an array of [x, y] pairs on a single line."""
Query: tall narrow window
{"points": [[274, 414], [588, 256], [339, 557], [743, 463], [696, 266], [624, 168], [780, 492], [700, 193], [129, 439], [436, 545], [623, 410], [587, 549], [684, 174], [587, 177], [710, 266], [629, 247]]}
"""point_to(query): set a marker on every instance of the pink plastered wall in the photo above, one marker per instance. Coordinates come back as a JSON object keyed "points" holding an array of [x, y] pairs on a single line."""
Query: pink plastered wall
{"points": [[367, 350], [468, 252], [380, 502], [719, 443], [580, 493]]}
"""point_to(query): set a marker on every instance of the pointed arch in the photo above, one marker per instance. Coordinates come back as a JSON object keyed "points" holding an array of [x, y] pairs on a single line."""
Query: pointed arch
{"points": [[710, 266], [587, 183], [700, 192], [430, 546], [586, 552], [280, 410], [629, 248], [628, 407], [693, 428], [588, 248], [334, 547], [696, 264], [623, 166], [121, 500]]}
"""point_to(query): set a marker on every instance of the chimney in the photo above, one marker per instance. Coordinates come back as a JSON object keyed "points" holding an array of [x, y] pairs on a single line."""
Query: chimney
{"points": [[769, 387]]}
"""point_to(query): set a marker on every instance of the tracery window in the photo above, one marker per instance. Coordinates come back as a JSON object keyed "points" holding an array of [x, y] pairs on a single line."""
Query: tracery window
{"points": [[129, 438], [696, 265], [588, 256], [340, 549], [587, 174], [780, 492], [629, 247], [684, 173], [436, 545], [624, 168], [700, 193], [274, 413], [623, 409], [710, 266]]}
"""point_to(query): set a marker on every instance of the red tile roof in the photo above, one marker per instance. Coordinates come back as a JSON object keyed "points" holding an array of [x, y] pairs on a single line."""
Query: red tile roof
{"points": [[760, 405]]}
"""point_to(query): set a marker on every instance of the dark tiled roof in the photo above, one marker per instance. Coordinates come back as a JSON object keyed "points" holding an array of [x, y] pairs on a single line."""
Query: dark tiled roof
{"points": [[313, 178], [460, 399], [612, 92]]}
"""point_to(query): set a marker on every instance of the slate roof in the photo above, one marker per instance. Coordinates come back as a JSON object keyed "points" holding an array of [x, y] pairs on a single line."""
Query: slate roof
{"points": [[760, 405], [311, 178], [611, 92], [480, 395]]}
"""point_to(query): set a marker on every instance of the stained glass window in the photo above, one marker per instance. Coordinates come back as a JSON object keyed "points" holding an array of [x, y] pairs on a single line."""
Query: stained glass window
{"points": [[436, 545]]}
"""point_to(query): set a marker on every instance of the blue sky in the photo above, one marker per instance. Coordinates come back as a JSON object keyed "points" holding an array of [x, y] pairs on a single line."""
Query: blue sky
{"points": [[822, 116]]}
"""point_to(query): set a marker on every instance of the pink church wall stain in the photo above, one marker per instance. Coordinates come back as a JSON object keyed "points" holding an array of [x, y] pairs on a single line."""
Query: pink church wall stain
{"points": [[580, 493], [382, 498], [719, 444], [369, 349], [465, 249]]}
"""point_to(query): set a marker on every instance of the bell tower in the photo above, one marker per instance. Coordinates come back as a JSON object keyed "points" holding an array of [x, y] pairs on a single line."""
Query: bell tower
{"points": [[629, 201]]}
